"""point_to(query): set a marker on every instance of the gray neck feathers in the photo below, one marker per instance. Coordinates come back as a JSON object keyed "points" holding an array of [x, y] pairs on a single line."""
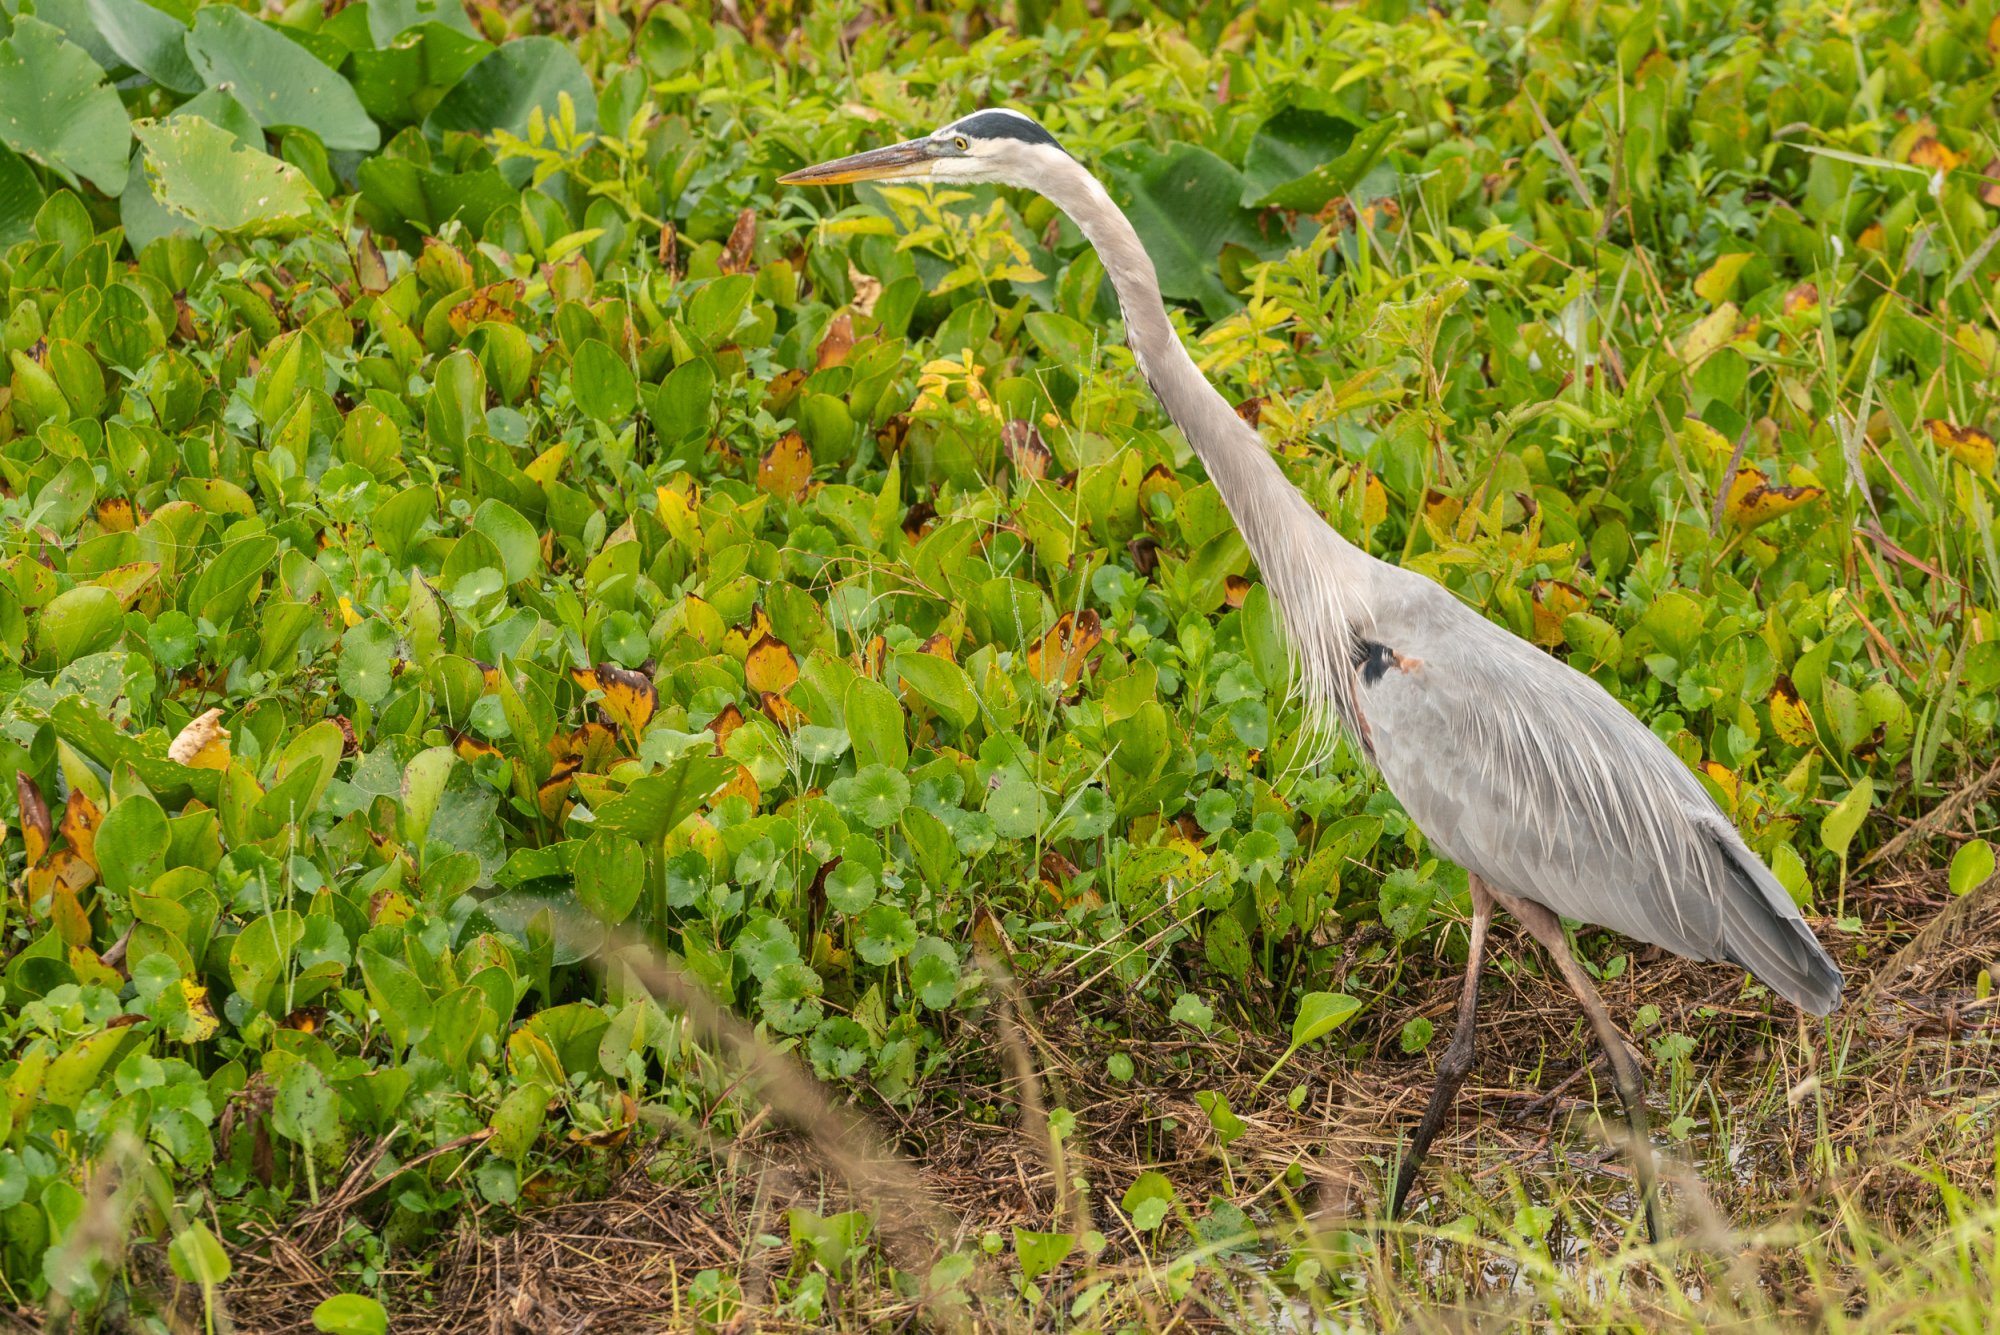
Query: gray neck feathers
{"points": [[1315, 574]]}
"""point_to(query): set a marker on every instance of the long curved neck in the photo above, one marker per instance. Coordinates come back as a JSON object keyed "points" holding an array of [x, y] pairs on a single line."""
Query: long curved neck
{"points": [[1320, 580]]}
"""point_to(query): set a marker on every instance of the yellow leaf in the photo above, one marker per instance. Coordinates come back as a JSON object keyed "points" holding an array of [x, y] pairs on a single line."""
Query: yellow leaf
{"points": [[1754, 500], [1711, 332], [202, 744], [1374, 501], [115, 514], [1790, 718], [548, 464], [630, 698], [128, 582], [786, 468], [1969, 445], [1716, 281], [1555, 602], [199, 1011], [1872, 238], [1711, 445], [1928, 152], [348, 616], [678, 518], [79, 825], [770, 667]]}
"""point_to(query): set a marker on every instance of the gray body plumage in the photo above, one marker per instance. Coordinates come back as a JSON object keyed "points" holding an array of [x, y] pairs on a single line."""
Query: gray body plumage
{"points": [[1516, 766]]}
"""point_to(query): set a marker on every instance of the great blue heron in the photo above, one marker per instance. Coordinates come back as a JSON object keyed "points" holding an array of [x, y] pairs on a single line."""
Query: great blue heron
{"points": [[1524, 771]]}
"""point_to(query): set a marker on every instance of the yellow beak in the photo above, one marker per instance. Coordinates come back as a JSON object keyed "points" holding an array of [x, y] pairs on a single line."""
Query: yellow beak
{"points": [[897, 162]]}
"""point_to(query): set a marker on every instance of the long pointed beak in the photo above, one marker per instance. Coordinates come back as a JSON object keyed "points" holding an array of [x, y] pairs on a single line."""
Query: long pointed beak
{"points": [[897, 162]]}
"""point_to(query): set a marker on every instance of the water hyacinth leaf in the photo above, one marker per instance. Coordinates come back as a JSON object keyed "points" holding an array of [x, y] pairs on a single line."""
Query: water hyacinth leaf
{"points": [[199, 171], [610, 875], [282, 83], [1320, 1013], [59, 110], [604, 385], [149, 40]]}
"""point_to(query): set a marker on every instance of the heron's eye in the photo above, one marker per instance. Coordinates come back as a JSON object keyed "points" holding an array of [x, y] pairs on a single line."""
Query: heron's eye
{"points": [[961, 143]]}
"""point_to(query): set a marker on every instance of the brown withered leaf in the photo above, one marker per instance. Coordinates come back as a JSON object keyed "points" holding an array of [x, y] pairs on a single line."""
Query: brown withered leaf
{"points": [[788, 716], [1059, 655], [1024, 447], [1251, 410], [786, 468], [736, 252], [939, 646], [553, 794], [867, 291], [79, 825], [593, 748], [1555, 601], [781, 389], [770, 666], [1754, 499], [1235, 589], [1989, 188], [37, 830], [470, 747], [725, 723], [670, 249], [493, 303], [892, 433], [1145, 554], [1802, 298], [1929, 153], [917, 518], [202, 744], [836, 343], [1970, 445], [872, 655]]}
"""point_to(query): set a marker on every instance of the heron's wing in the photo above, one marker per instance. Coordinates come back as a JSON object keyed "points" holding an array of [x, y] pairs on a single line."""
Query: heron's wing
{"points": [[1529, 774]]}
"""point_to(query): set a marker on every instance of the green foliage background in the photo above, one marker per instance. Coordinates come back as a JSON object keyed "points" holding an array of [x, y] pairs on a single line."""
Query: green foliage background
{"points": [[464, 413]]}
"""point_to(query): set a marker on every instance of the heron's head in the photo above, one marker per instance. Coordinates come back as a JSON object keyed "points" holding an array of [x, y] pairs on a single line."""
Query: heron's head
{"points": [[988, 147]]}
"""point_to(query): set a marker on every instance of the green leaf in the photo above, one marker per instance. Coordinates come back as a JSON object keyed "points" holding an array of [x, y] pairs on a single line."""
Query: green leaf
{"points": [[400, 1000], [150, 41], [520, 546], [875, 796], [59, 111], [657, 803], [1311, 192], [504, 90], [351, 1314], [1320, 1013], [942, 684], [1840, 825], [1970, 866], [603, 384], [887, 934], [132, 844], [1017, 809], [284, 85], [367, 661], [518, 1121], [200, 172], [197, 1256], [77, 623], [20, 198], [934, 972], [1295, 142], [305, 1108], [610, 875], [1040, 1253]]}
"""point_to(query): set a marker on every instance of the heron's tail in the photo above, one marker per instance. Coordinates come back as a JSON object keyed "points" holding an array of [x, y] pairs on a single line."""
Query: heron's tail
{"points": [[1763, 932]]}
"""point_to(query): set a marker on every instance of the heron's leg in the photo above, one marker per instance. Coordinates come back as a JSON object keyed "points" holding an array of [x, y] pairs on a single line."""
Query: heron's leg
{"points": [[1456, 1063], [1546, 928]]}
